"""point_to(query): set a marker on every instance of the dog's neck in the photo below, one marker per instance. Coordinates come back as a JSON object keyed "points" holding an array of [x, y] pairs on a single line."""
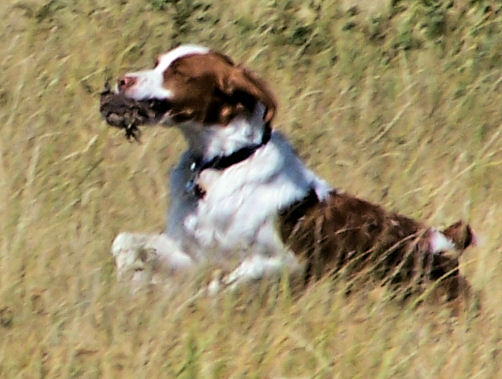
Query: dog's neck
{"points": [[209, 143]]}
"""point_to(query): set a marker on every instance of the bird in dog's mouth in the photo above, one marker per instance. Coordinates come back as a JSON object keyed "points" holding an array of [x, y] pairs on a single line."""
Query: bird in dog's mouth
{"points": [[123, 112]]}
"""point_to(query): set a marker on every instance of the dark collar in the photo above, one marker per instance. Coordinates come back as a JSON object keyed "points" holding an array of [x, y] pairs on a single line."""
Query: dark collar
{"points": [[224, 162]]}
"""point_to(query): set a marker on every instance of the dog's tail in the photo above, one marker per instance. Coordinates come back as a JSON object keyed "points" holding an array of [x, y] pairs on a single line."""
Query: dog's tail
{"points": [[461, 234], [458, 236]]}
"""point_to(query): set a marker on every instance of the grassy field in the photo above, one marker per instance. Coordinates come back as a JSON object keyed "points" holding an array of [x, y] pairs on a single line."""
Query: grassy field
{"points": [[396, 101]]}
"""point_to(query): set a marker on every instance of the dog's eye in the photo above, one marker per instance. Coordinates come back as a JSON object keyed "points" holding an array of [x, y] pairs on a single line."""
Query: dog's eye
{"points": [[156, 63], [177, 71]]}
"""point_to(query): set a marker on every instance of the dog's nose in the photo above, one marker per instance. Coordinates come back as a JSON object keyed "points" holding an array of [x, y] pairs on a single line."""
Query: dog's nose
{"points": [[126, 82]]}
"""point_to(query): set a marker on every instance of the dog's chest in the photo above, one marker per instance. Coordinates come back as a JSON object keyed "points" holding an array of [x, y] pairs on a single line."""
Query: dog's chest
{"points": [[233, 217], [237, 214]]}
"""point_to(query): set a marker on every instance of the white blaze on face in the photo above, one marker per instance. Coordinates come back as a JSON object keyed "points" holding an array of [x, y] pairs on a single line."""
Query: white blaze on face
{"points": [[166, 59], [149, 83]]}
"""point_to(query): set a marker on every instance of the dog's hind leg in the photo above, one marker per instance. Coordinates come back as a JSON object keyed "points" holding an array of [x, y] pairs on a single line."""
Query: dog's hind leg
{"points": [[255, 268]]}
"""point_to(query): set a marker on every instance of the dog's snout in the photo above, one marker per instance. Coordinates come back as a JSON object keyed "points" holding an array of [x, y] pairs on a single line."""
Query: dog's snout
{"points": [[126, 82]]}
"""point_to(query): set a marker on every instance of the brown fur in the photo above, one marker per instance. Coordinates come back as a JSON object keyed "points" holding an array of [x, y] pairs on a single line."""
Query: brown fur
{"points": [[461, 234], [210, 89], [346, 232]]}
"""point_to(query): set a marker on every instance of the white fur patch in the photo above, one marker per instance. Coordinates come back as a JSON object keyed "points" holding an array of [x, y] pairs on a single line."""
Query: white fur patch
{"points": [[135, 253], [237, 214], [439, 242], [166, 59]]}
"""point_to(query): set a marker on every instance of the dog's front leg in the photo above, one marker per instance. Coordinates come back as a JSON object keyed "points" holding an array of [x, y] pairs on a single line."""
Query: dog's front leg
{"points": [[144, 258]]}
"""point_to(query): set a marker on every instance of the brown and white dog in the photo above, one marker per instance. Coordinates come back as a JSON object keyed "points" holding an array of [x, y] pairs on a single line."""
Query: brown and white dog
{"points": [[240, 192]]}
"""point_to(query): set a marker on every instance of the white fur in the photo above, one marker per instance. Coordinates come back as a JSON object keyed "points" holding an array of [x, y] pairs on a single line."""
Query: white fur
{"points": [[439, 242], [236, 219], [214, 140], [156, 243], [149, 82], [238, 211]]}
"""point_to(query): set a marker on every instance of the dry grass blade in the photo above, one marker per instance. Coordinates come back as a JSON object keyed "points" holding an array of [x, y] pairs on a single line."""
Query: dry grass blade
{"points": [[397, 102]]}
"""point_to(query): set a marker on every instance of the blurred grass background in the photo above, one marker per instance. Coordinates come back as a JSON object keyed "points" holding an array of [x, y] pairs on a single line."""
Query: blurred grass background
{"points": [[395, 101]]}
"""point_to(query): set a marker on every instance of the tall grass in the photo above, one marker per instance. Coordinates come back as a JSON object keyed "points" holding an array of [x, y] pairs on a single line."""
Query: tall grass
{"points": [[395, 101]]}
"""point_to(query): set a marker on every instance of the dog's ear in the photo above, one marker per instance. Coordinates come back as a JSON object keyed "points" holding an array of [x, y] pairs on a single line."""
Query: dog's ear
{"points": [[245, 89]]}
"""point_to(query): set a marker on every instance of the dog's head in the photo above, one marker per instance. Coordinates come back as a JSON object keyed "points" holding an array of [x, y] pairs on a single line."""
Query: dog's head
{"points": [[194, 84]]}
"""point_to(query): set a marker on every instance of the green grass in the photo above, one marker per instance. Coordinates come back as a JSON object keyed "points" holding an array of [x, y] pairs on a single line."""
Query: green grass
{"points": [[395, 101]]}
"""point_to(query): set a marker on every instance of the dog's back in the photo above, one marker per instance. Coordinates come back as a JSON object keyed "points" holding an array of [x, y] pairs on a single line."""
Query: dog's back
{"points": [[345, 232]]}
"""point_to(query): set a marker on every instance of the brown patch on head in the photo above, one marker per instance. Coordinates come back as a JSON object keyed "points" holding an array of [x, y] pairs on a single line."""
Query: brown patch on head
{"points": [[210, 89]]}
